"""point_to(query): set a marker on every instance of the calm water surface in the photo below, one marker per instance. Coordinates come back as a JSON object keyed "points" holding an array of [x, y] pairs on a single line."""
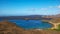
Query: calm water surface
{"points": [[32, 24]]}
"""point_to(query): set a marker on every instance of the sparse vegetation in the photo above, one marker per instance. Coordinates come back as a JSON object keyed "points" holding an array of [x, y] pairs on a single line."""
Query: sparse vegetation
{"points": [[58, 28], [20, 30], [55, 20]]}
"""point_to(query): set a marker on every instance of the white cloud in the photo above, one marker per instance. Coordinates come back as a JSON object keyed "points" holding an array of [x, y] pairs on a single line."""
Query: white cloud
{"points": [[44, 9], [58, 10], [58, 6], [31, 9], [54, 6], [50, 6]]}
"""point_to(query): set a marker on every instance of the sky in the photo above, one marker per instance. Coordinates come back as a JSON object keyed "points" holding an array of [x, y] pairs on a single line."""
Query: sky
{"points": [[29, 7]]}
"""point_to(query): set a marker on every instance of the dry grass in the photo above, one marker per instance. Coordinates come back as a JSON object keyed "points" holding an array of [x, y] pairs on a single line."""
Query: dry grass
{"points": [[10, 28]]}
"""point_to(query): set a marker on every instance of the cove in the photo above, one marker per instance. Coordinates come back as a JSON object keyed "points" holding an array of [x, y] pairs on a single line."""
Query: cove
{"points": [[32, 24]]}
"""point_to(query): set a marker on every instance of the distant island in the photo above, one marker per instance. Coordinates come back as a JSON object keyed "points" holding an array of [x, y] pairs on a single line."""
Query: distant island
{"points": [[32, 17]]}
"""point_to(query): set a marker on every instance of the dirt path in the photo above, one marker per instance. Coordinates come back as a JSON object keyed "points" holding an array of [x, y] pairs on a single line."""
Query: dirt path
{"points": [[55, 25]]}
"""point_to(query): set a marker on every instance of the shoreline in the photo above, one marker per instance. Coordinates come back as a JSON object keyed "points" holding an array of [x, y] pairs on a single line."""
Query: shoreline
{"points": [[55, 25]]}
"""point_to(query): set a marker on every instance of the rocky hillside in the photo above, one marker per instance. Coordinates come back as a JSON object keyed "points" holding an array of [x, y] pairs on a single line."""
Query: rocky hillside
{"points": [[11, 28], [52, 16]]}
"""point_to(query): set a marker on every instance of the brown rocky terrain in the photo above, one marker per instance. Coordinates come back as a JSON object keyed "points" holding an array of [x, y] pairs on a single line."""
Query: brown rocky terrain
{"points": [[11, 28], [55, 20]]}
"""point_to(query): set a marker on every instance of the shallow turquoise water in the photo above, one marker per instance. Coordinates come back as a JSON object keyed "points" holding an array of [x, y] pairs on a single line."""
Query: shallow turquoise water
{"points": [[32, 24]]}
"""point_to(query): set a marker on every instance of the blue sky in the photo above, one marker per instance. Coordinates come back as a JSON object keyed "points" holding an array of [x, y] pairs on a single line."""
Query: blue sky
{"points": [[29, 7]]}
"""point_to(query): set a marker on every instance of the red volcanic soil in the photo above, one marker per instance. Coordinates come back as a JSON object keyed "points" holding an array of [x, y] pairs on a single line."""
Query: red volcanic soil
{"points": [[11, 28]]}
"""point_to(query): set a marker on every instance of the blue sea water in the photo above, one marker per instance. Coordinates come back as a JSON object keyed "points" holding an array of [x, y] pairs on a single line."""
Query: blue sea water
{"points": [[32, 24]]}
